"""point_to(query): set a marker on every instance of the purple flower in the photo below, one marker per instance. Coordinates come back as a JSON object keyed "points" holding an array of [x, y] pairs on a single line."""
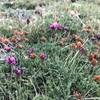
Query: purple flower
{"points": [[18, 71], [82, 50], [8, 49], [56, 25], [11, 60], [43, 56], [31, 50]]}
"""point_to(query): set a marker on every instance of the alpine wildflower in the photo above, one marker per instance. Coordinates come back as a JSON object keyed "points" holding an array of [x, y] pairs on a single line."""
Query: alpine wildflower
{"points": [[56, 26], [18, 71], [43, 56], [11, 60], [7, 48]]}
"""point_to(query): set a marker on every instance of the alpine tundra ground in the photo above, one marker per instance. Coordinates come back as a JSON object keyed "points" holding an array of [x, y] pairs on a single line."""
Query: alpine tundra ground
{"points": [[49, 49]]}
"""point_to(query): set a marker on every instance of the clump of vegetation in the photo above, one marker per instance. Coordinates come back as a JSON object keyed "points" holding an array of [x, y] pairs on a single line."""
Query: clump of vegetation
{"points": [[49, 51]]}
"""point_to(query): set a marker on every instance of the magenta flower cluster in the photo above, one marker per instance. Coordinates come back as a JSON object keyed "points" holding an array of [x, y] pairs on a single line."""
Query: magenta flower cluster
{"points": [[18, 71], [7, 48], [43, 56], [56, 26], [11, 60]]}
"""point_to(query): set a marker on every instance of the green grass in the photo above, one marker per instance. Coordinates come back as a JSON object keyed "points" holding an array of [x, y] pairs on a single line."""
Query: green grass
{"points": [[65, 70]]}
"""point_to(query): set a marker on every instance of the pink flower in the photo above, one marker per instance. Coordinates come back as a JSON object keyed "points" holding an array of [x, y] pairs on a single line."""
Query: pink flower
{"points": [[56, 25], [8, 49], [11, 60], [43, 56], [18, 71]]}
